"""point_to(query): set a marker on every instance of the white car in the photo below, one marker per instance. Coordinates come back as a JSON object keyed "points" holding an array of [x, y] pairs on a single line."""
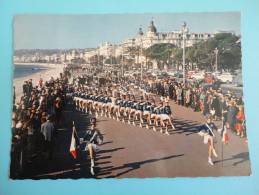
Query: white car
{"points": [[216, 74], [127, 73], [198, 76], [225, 77], [155, 73], [237, 80], [171, 73]]}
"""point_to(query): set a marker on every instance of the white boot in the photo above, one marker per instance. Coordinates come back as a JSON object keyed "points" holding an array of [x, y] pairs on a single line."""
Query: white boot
{"points": [[161, 130], [210, 161], [92, 171], [92, 162], [166, 131], [214, 153]]}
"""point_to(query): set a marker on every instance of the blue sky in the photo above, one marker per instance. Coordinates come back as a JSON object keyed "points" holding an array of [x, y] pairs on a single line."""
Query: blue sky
{"points": [[86, 31]]}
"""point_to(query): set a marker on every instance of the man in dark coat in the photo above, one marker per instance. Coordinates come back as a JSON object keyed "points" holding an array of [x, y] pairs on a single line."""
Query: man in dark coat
{"points": [[48, 129]]}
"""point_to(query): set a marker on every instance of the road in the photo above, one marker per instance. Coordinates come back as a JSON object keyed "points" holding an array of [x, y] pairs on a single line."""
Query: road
{"points": [[134, 152]]}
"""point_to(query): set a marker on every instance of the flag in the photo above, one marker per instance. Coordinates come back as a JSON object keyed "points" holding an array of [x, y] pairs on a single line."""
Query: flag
{"points": [[73, 143], [225, 137]]}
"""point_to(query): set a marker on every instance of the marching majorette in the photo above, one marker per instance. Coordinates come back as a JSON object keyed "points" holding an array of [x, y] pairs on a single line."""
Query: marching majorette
{"points": [[206, 131], [93, 138], [166, 117]]}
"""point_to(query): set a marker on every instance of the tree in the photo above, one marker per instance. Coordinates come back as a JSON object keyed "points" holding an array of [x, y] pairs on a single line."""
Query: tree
{"points": [[160, 52], [229, 55], [177, 56]]}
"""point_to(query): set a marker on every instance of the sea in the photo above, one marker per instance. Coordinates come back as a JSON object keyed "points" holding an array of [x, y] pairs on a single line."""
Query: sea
{"points": [[25, 70]]}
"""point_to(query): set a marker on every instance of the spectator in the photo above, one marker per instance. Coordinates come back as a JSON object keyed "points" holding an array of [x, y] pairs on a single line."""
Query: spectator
{"points": [[231, 115], [240, 121], [47, 129]]}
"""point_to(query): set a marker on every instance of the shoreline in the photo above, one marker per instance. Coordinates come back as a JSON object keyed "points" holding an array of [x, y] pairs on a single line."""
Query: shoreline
{"points": [[52, 70], [35, 64]]}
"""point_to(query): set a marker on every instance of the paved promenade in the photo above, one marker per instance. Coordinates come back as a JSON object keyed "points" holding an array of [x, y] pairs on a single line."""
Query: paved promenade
{"points": [[134, 152]]}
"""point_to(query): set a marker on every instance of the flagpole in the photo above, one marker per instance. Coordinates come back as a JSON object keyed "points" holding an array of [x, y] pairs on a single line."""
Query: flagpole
{"points": [[74, 129], [222, 134], [222, 144]]}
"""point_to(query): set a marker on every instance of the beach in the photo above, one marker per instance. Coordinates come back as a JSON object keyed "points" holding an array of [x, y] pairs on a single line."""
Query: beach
{"points": [[52, 70]]}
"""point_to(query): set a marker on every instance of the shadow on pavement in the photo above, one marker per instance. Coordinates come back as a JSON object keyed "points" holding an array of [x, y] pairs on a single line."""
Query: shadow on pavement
{"points": [[244, 156], [185, 126], [131, 166]]}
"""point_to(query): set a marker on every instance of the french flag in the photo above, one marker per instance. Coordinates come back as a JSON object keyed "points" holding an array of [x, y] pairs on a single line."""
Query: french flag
{"points": [[73, 142]]}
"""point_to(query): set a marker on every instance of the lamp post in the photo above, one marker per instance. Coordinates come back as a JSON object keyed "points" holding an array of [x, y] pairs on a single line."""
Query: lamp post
{"points": [[216, 51], [184, 32], [122, 65], [98, 57], [141, 65]]}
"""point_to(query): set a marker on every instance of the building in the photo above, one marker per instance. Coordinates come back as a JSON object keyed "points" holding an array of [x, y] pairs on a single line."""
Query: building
{"points": [[152, 36]]}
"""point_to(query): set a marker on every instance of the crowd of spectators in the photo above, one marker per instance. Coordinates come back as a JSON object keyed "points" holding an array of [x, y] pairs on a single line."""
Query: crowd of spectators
{"points": [[36, 115]]}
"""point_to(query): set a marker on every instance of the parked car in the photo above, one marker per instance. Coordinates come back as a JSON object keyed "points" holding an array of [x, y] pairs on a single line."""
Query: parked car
{"points": [[216, 74], [164, 74], [238, 80], [127, 73], [198, 76], [155, 73], [190, 74], [225, 77], [171, 73], [179, 75]]}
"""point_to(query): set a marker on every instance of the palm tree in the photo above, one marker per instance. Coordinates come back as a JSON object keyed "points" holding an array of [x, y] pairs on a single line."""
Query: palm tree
{"points": [[160, 52]]}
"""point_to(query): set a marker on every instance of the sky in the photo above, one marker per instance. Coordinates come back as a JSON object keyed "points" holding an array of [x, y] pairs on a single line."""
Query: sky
{"points": [[90, 30]]}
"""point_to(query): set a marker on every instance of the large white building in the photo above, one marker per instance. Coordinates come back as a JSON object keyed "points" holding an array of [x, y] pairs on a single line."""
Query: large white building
{"points": [[152, 36], [149, 38]]}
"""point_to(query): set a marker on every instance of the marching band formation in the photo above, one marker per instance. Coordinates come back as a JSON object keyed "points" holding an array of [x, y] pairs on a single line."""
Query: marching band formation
{"points": [[126, 107]]}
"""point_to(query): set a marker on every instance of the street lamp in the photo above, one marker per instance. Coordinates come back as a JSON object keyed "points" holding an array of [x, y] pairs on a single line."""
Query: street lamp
{"points": [[122, 65], [216, 51], [141, 65], [184, 32]]}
